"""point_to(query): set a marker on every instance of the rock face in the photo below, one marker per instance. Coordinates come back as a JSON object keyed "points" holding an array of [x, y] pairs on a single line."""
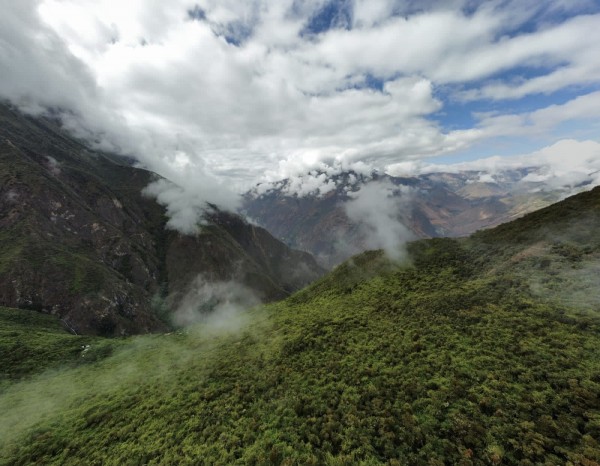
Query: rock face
{"points": [[79, 240], [438, 204], [229, 248]]}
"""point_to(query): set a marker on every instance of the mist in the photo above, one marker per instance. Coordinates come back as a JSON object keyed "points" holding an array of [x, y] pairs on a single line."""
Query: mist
{"points": [[566, 268], [186, 207], [378, 207], [571, 287], [219, 305], [209, 315]]}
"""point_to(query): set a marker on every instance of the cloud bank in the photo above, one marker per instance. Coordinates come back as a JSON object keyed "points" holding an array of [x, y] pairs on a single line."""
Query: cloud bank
{"points": [[206, 90], [566, 165]]}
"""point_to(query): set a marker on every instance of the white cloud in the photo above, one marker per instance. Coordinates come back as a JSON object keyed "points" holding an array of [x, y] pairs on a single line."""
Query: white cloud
{"points": [[186, 207], [567, 164], [376, 209], [314, 183], [486, 178], [541, 121], [239, 94], [185, 212], [38, 70], [558, 47]]}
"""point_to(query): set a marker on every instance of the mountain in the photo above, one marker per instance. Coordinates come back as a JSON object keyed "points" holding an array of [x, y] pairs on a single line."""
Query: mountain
{"points": [[430, 205], [470, 352], [79, 240]]}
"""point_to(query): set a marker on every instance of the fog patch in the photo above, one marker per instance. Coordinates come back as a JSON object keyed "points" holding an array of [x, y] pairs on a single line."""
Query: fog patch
{"points": [[11, 196], [53, 165], [568, 273], [378, 208], [219, 305], [343, 247], [575, 288], [134, 362]]}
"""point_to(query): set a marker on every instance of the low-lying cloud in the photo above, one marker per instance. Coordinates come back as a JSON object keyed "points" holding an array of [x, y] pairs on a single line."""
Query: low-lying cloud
{"points": [[377, 208], [220, 305], [568, 165], [186, 208]]}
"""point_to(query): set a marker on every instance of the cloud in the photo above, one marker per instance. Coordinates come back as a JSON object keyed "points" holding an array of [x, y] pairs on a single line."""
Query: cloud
{"points": [[186, 207], [40, 70], [53, 165], [567, 164], [219, 305], [206, 89], [558, 46], [540, 121], [377, 209], [316, 184]]}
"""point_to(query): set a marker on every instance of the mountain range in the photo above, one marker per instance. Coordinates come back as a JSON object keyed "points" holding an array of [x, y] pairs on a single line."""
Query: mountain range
{"points": [[83, 239], [438, 204]]}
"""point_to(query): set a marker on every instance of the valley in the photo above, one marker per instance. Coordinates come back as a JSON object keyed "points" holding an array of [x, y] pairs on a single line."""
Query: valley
{"points": [[436, 204], [300, 233]]}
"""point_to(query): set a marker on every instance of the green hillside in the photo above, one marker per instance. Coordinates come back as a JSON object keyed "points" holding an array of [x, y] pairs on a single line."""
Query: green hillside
{"points": [[31, 342], [458, 356]]}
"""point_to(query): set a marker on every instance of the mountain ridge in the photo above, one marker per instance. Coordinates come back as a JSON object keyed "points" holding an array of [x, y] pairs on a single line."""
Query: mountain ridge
{"points": [[79, 238]]}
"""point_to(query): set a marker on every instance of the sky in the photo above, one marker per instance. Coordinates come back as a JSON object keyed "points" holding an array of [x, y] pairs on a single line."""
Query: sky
{"points": [[218, 95]]}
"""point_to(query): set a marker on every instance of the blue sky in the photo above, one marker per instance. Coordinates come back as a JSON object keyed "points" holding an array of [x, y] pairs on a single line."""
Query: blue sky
{"points": [[224, 93]]}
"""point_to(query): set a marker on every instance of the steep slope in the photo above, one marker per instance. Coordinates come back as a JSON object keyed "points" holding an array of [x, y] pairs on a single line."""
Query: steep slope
{"points": [[79, 240], [75, 241], [451, 359], [229, 249], [555, 251], [437, 204]]}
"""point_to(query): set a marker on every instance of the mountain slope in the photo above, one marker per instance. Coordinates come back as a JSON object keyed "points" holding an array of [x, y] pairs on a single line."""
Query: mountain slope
{"points": [[433, 205], [79, 240], [450, 359]]}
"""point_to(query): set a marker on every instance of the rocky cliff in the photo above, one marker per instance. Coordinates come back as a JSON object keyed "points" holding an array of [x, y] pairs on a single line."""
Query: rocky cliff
{"points": [[79, 240]]}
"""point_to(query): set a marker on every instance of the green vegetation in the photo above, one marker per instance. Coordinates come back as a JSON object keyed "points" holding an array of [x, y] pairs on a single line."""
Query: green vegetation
{"points": [[450, 359], [574, 216], [31, 342], [384, 370]]}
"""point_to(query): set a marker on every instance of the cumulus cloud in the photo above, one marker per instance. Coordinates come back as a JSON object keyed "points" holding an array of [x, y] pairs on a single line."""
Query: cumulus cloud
{"points": [[377, 208], [244, 91]]}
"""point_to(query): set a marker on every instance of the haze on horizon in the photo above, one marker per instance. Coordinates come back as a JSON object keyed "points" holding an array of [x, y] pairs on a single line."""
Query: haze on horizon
{"points": [[220, 95]]}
